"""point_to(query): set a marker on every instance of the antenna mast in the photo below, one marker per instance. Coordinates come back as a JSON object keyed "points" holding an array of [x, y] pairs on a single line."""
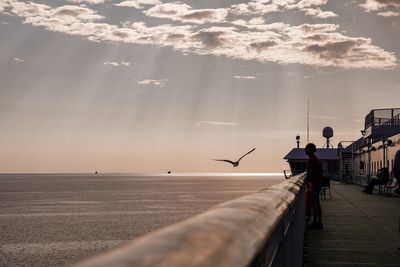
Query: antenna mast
{"points": [[308, 120]]}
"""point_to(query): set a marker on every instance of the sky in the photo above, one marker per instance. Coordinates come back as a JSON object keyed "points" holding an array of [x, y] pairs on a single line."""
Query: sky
{"points": [[152, 85]]}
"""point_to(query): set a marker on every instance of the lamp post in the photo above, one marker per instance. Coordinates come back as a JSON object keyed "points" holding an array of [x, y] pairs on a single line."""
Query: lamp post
{"points": [[369, 159], [368, 143], [385, 144], [340, 160], [384, 153]]}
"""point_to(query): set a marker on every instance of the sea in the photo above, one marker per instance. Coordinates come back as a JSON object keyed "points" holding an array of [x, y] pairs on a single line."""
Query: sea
{"points": [[61, 219]]}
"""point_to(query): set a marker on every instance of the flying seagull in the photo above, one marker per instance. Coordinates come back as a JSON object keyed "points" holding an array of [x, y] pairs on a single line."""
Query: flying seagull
{"points": [[235, 163]]}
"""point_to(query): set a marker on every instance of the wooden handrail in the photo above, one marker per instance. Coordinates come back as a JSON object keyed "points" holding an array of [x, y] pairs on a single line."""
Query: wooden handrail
{"points": [[230, 234]]}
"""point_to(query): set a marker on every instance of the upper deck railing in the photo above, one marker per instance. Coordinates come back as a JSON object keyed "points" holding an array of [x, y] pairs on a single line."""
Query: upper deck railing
{"points": [[380, 116], [262, 229], [393, 121], [379, 121]]}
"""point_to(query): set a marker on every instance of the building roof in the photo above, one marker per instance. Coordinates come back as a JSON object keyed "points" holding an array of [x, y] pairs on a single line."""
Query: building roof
{"points": [[322, 154]]}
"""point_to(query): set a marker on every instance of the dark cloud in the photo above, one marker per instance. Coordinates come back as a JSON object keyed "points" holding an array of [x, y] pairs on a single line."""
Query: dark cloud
{"points": [[72, 11], [68, 12], [175, 37], [76, 12], [332, 50], [310, 28], [120, 34], [168, 12], [201, 14], [260, 46], [316, 37], [379, 5], [389, 3], [209, 39]]}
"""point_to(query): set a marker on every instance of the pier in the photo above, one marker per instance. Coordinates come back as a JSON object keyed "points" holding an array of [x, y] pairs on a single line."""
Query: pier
{"points": [[359, 230]]}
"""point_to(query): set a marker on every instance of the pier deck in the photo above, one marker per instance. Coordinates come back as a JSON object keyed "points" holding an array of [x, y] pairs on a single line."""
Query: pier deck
{"points": [[359, 230]]}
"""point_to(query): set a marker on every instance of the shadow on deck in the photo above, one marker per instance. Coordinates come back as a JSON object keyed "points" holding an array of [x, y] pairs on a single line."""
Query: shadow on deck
{"points": [[359, 230]]}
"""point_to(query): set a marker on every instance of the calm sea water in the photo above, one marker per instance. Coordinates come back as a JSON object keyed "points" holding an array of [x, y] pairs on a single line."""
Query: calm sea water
{"points": [[58, 219]]}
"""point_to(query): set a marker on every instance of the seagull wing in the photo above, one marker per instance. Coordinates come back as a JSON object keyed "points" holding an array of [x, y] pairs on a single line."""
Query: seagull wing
{"points": [[225, 160], [246, 154]]}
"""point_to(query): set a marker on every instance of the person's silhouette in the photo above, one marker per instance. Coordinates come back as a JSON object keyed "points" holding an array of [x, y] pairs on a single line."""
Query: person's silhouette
{"points": [[314, 176]]}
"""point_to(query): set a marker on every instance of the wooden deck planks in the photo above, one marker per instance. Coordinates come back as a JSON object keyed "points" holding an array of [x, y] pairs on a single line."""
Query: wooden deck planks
{"points": [[359, 230]]}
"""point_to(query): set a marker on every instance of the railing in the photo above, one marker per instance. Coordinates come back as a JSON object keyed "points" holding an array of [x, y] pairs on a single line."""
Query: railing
{"points": [[380, 116], [393, 121], [262, 229]]}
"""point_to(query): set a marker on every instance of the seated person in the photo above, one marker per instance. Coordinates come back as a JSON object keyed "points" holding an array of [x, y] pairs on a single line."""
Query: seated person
{"points": [[382, 178]]}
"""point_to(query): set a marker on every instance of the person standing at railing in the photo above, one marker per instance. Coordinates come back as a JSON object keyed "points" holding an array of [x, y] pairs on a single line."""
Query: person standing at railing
{"points": [[396, 174], [396, 170], [314, 176]]}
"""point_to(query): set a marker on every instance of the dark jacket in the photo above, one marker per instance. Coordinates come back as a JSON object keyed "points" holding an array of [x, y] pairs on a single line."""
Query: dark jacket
{"points": [[314, 170], [382, 176], [396, 166]]}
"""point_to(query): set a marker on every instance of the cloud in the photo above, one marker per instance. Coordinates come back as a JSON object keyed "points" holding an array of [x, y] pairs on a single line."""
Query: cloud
{"points": [[87, 1], [28, 9], [139, 4], [73, 13], [256, 21], [262, 7], [52, 18], [251, 39], [184, 13], [260, 46], [318, 13], [153, 83], [379, 5], [18, 59], [245, 77], [209, 38], [389, 14], [219, 123], [339, 49], [3, 6], [117, 64]]}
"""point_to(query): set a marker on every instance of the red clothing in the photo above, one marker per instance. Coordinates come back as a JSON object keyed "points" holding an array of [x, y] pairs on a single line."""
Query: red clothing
{"points": [[309, 201], [314, 171]]}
